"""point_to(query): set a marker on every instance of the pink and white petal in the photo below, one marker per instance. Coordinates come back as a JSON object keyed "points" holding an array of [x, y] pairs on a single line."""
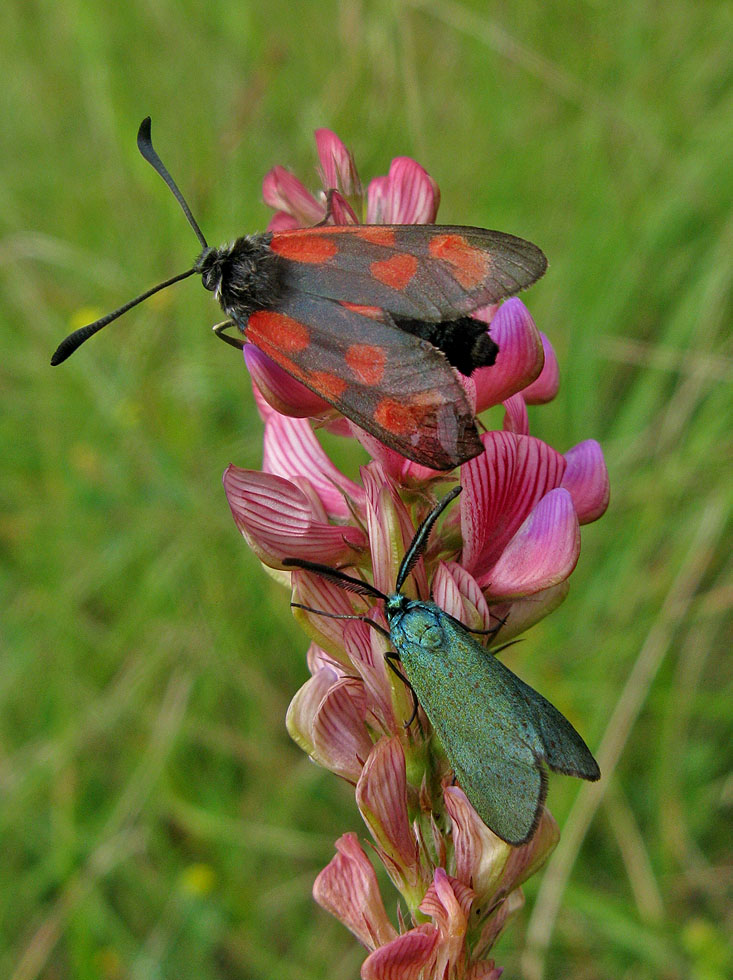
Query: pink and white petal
{"points": [[365, 648], [318, 593], [448, 902], [337, 168], [281, 221], [544, 388], [526, 860], [342, 212], [302, 709], [292, 451], [542, 553], [521, 614], [515, 415], [381, 795], [500, 489], [410, 197], [408, 957], [348, 889], [341, 742], [377, 197], [586, 478], [480, 855], [280, 390], [282, 191], [389, 527], [520, 356], [277, 520], [317, 659], [457, 592]]}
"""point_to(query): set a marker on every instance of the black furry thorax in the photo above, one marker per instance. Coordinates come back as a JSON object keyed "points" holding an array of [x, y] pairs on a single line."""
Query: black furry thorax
{"points": [[244, 275]]}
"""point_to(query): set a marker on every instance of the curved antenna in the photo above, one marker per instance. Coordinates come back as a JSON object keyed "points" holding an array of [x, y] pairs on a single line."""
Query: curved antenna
{"points": [[419, 542], [335, 575], [67, 346], [145, 145]]}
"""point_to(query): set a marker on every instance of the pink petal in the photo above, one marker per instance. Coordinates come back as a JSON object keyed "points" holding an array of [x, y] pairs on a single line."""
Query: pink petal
{"points": [[282, 191], [302, 709], [526, 860], [515, 418], [342, 212], [338, 170], [286, 395], [318, 593], [500, 489], [280, 221], [586, 477], [520, 356], [480, 855], [544, 388], [407, 196], [381, 795], [448, 902], [340, 739], [405, 958], [457, 592], [521, 614], [278, 521], [292, 451], [366, 648], [543, 552], [348, 889]]}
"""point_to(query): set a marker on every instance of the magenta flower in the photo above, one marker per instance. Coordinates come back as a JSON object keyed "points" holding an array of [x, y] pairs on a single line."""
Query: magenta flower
{"points": [[501, 560]]}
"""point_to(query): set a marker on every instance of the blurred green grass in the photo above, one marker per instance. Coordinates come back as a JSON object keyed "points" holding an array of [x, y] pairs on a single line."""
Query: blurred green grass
{"points": [[155, 819]]}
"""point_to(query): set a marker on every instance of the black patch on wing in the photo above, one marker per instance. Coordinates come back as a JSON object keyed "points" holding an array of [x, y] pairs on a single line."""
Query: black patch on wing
{"points": [[464, 341]]}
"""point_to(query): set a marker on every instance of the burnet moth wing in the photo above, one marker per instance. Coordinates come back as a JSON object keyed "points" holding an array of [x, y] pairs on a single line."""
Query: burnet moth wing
{"points": [[498, 733], [375, 319]]}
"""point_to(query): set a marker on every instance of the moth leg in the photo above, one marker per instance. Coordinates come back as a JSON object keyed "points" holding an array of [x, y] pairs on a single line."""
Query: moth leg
{"points": [[219, 329], [391, 658]]}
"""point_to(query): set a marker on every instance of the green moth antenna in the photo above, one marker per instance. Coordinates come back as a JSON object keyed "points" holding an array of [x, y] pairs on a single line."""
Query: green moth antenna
{"points": [[145, 144]]}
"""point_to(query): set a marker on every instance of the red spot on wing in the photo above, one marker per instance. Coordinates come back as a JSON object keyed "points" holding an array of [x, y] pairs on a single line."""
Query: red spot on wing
{"points": [[376, 235], [373, 312], [330, 386], [311, 247], [277, 331], [367, 362], [396, 271], [469, 266]]}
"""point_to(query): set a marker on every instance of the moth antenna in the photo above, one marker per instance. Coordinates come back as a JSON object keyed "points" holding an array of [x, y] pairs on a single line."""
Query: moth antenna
{"points": [[344, 581], [67, 346], [419, 542], [145, 145], [330, 615]]}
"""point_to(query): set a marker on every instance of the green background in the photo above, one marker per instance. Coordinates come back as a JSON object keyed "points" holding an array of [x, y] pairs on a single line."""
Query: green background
{"points": [[155, 820]]}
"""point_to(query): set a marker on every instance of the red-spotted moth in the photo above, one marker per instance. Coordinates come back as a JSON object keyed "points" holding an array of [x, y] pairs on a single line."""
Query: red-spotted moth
{"points": [[376, 319]]}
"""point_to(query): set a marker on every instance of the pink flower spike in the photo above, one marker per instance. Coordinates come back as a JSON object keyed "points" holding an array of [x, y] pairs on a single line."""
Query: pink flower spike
{"points": [[407, 196], [348, 889], [278, 521], [586, 477], [500, 488], [381, 795], [286, 395], [544, 388], [338, 170], [282, 191], [542, 553], [405, 958], [292, 451], [520, 358]]}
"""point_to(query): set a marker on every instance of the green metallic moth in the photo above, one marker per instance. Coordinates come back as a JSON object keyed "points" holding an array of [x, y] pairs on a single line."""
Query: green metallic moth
{"points": [[498, 733]]}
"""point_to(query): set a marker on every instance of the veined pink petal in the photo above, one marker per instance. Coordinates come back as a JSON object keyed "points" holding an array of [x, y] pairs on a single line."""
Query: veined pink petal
{"points": [[348, 889], [515, 415], [342, 212], [586, 477], [390, 529], [448, 902], [457, 592], [286, 395], [544, 388], [278, 521], [302, 709], [524, 861], [338, 170], [340, 740], [381, 795], [405, 958], [480, 855], [365, 648], [282, 191], [318, 593], [521, 614], [407, 196], [500, 489], [520, 356], [280, 221], [292, 451], [543, 552]]}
